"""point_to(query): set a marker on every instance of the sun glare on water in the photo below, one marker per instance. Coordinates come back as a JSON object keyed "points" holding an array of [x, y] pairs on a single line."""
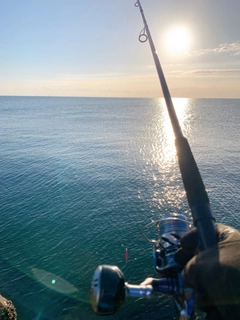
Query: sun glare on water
{"points": [[177, 40]]}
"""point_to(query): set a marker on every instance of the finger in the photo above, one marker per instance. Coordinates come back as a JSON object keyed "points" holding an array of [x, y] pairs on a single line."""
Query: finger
{"points": [[182, 257], [226, 233], [189, 241], [147, 281]]}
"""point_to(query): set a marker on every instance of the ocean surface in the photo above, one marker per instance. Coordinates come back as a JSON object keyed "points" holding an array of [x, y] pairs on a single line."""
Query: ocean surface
{"points": [[79, 178]]}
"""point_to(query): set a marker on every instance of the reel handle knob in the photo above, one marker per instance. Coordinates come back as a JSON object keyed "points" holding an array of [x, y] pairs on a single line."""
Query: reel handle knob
{"points": [[107, 292]]}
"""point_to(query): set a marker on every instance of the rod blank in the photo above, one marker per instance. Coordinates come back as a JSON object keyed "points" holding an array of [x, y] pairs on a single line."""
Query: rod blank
{"points": [[195, 190]]}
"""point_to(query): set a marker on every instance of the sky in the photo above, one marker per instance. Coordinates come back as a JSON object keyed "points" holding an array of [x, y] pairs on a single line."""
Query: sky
{"points": [[91, 48]]}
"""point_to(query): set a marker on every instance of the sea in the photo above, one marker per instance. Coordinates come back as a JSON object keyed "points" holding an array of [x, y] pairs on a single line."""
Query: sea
{"points": [[80, 178]]}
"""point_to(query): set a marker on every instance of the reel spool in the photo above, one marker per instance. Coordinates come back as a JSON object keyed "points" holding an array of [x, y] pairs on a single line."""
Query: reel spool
{"points": [[170, 230]]}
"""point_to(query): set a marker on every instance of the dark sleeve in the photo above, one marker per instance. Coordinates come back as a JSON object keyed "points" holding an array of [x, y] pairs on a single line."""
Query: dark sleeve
{"points": [[215, 274]]}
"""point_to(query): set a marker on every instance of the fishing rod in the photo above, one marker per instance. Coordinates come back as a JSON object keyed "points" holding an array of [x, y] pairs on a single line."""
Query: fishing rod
{"points": [[195, 190], [108, 289]]}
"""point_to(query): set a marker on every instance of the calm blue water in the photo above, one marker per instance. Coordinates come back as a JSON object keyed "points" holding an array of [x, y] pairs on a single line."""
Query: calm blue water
{"points": [[79, 177]]}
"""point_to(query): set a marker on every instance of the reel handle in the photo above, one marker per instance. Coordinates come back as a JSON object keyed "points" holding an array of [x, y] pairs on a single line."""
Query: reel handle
{"points": [[108, 289], [144, 291]]}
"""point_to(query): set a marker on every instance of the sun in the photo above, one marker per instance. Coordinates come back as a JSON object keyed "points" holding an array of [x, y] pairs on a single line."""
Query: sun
{"points": [[177, 40]]}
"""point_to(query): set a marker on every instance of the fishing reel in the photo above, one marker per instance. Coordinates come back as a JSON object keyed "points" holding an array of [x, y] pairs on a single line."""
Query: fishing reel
{"points": [[170, 230], [109, 290]]}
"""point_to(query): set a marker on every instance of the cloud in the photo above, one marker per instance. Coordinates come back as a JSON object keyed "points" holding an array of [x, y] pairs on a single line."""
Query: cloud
{"points": [[214, 72], [232, 48]]}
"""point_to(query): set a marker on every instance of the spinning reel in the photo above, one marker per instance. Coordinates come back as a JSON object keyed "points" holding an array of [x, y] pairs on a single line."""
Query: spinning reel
{"points": [[109, 290]]}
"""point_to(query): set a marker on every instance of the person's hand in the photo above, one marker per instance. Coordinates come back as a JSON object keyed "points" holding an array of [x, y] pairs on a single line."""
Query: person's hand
{"points": [[213, 273]]}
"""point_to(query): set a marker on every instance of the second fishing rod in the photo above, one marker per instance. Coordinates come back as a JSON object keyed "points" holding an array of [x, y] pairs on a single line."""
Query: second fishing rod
{"points": [[195, 190]]}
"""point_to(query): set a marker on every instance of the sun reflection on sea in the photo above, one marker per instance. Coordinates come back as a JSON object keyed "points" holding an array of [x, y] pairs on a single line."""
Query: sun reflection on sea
{"points": [[165, 147], [168, 188]]}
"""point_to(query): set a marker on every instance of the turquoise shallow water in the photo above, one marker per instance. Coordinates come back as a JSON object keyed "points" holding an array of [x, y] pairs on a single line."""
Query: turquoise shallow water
{"points": [[79, 177]]}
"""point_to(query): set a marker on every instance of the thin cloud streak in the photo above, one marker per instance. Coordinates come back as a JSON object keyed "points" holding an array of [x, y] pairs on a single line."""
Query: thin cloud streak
{"points": [[233, 48], [214, 72]]}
